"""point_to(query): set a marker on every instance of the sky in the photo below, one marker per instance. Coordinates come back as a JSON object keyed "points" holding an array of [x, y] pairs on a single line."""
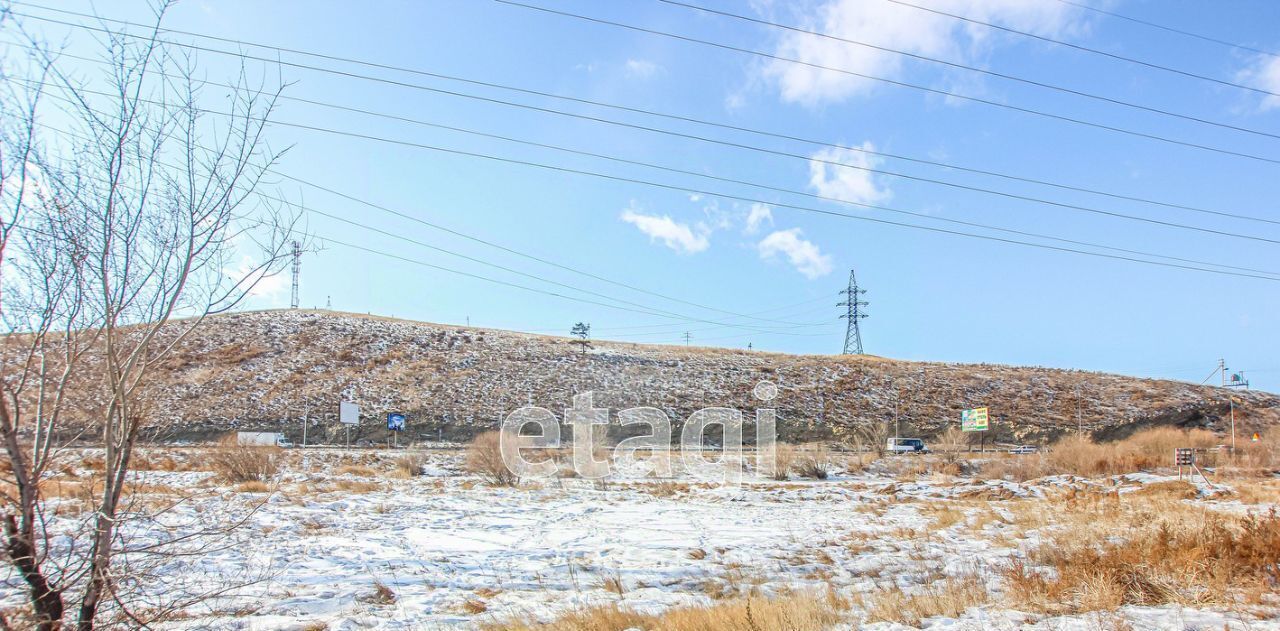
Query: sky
{"points": [[659, 253]]}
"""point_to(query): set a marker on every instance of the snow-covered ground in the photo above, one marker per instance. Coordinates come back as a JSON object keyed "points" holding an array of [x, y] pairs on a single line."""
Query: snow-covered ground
{"points": [[456, 553]]}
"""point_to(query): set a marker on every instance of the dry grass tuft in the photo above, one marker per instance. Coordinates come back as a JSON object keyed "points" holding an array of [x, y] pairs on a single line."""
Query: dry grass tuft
{"points": [[234, 463], [409, 466], [484, 458], [382, 595], [784, 458], [474, 607], [792, 612], [949, 597], [358, 471], [813, 461], [253, 486]]}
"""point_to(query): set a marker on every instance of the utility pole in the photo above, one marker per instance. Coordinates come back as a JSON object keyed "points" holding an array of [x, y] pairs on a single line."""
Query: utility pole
{"points": [[297, 271], [686, 338], [1237, 381], [1079, 403], [853, 312]]}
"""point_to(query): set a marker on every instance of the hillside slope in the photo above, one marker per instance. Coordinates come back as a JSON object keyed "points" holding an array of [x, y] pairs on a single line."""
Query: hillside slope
{"points": [[266, 369]]}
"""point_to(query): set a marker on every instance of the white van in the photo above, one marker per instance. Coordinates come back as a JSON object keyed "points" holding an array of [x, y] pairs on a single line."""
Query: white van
{"points": [[906, 446]]}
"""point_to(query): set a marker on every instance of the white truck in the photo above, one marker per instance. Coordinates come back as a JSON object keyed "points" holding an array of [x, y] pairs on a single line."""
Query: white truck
{"points": [[906, 446], [263, 439]]}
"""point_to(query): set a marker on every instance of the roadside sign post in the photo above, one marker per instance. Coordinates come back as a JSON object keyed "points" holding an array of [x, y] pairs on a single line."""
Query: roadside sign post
{"points": [[348, 415], [975, 420], [395, 423]]}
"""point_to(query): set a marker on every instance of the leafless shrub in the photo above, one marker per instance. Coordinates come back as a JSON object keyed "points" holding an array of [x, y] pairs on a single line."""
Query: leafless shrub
{"points": [[784, 458], [235, 463], [484, 458]]}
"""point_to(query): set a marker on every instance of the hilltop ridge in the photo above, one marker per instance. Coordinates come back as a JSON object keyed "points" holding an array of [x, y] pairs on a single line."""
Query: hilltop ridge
{"points": [[268, 369]]}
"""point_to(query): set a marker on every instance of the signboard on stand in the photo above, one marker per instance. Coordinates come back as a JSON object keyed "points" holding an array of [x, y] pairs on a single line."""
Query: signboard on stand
{"points": [[974, 420], [395, 422], [348, 415]]}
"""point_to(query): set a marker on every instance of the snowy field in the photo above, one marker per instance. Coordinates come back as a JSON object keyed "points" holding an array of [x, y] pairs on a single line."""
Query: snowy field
{"points": [[337, 542]]}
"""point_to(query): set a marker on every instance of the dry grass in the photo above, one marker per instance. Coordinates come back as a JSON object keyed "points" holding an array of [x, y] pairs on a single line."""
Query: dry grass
{"points": [[1112, 552], [382, 595], [409, 466], [949, 597], [1143, 451], [234, 463], [784, 458], [793, 612], [357, 486], [358, 471], [474, 607], [253, 486], [484, 458], [813, 461]]}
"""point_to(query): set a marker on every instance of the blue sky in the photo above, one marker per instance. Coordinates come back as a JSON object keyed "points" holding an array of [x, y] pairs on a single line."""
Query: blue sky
{"points": [[934, 296]]}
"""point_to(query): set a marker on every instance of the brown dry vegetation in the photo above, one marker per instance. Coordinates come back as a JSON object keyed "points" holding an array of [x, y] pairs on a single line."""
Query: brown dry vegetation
{"points": [[235, 463], [484, 458], [794, 612], [1107, 551], [948, 597]]}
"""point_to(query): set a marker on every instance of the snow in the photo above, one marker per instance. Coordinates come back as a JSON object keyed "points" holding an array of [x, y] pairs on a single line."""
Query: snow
{"points": [[440, 540]]}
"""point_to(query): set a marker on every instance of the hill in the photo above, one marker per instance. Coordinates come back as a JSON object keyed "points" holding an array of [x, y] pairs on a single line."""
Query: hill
{"points": [[266, 370]]}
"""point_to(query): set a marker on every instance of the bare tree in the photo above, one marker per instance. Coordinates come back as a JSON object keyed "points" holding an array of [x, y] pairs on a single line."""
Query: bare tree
{"points": [[121, 235]]}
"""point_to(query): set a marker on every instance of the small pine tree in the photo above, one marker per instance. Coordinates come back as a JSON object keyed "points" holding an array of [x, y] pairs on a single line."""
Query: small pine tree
{"points": [[583, 334]]}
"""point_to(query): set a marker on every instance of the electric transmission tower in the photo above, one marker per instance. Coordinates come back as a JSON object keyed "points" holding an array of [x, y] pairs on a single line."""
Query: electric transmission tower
{"points": [[297, 271], [853, 313]]}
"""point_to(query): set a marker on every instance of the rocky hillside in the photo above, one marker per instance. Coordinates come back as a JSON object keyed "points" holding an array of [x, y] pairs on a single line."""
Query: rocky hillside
{"points": [[265, 370]]}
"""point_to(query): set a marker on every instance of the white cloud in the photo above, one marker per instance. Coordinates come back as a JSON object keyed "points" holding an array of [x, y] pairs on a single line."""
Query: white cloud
{"points": [[803, 255], [642, 69], [902, 28], [270, 288], [1264, 73], [846, 183], [678, 236], [757, 217]]}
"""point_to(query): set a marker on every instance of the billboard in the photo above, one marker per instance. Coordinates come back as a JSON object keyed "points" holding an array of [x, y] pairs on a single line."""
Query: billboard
{"points": [[348, 413], [395, 422], [974, 420]]}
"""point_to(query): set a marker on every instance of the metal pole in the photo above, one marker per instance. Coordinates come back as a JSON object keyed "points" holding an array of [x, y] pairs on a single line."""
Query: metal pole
{"points": [[305, 423]]}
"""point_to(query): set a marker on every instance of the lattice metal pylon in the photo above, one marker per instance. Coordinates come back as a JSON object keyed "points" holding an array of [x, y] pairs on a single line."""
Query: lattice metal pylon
{"points": [[853, 312]]}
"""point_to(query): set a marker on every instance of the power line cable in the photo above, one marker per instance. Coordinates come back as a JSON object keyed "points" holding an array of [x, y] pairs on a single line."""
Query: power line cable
{"points": [[1079, 47], [938, 91], [603, 104], [990, 73], [808, 159], [904, 84], [1170, 29], [648, 309], [685, 189]]}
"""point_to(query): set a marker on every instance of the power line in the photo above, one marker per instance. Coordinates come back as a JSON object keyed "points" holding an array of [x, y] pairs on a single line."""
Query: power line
{"points": [[749, 199], [807, 159], [990, 73], [1079, 47], [1170, 28], [640, 308], [742, 182], [761, 201], [904, 84], [603, 104]]}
